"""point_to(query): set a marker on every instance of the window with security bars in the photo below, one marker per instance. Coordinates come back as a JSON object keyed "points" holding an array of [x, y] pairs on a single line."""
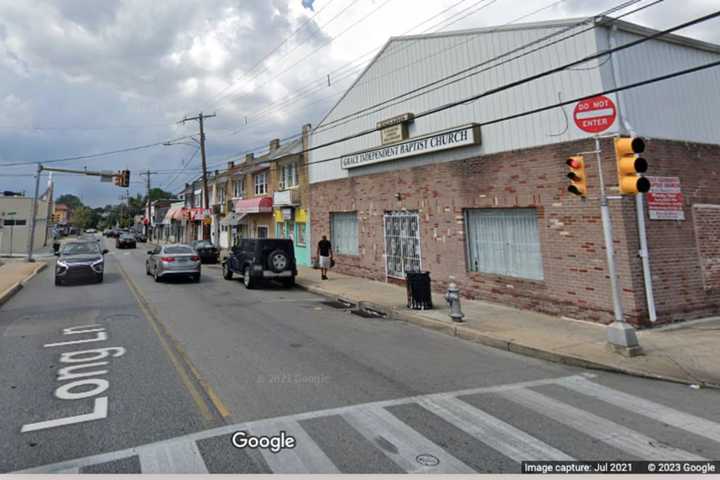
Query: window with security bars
{"points": [[402, 243], [344, 233], [504, 241]]}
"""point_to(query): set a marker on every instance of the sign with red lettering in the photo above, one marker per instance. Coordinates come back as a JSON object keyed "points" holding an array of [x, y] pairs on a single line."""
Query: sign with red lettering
{"points": [[665, 199], [595, 115]]}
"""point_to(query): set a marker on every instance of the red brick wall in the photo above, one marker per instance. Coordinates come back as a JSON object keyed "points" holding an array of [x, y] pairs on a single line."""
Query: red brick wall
{"points": [[576, 282]]}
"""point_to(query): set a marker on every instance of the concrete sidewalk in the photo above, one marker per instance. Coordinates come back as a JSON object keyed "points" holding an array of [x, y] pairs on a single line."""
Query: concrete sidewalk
{"points": [[681, 353], [14, 274]]}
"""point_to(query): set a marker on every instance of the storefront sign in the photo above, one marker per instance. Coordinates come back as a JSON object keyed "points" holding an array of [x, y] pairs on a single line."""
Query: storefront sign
{"points": [[199, 214], [404, 118], [393, 134], [665, 199], [457, 137]]}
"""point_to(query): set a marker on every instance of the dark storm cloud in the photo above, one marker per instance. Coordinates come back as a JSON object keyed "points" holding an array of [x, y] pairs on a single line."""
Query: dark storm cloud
{"points": [[81, 65]]}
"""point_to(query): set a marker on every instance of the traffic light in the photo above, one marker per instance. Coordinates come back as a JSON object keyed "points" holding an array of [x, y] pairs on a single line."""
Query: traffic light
{"points": [[578, 180], [125, 178], [630, 165], [122, 178]]}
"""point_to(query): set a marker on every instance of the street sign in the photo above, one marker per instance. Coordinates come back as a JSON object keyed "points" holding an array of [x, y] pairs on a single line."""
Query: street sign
{"points": [[665, 199], [595, 115]]}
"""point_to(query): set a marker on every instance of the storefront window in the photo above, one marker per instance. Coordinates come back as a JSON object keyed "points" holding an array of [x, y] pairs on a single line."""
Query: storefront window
{"points": [[344, 233], [301, 234], [504, 241], [262, 231]]}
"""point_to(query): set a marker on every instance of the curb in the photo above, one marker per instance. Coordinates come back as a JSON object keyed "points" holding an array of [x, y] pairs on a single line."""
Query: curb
{"points": [[15, 288], [478, 337]]}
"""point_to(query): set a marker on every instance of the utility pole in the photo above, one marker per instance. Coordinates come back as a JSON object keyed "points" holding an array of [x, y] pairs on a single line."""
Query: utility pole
{"points": [[147, 207], [206, 198], [34, 213]]}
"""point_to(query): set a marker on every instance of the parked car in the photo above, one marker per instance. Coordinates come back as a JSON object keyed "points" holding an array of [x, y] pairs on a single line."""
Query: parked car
{"points": [[90, 230], [140, 237], [79, 261], [260, 259], [208, 252], [172, 261], [125, 240]]}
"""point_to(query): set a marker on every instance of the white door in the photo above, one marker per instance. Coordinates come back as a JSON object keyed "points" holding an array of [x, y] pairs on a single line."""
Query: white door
{"points": [[402, 243]]}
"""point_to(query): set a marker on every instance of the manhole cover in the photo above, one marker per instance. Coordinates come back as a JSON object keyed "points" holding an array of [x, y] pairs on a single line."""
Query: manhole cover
{"points": [[427, 460]]}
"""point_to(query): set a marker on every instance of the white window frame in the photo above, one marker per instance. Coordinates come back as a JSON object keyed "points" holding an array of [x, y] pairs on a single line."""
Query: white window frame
{"points": [[507, 256], [288, 176], [260, 180], [339, 246], [239, 187]]}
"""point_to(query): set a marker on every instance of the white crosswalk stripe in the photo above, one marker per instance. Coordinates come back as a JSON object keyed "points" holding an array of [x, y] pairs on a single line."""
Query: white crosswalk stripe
{"points": [[305, 457], [685, 421], [597, 427], [400, 442], [506, 439], [406, 443], [176, 457]]}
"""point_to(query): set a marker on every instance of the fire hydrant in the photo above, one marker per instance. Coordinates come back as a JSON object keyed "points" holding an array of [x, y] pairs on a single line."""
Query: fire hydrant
{"points": [[452, 297]]}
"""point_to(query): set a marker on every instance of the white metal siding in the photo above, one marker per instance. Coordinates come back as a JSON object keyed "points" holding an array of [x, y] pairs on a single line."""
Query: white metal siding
{"points": [[685, 108], [409, 63]]}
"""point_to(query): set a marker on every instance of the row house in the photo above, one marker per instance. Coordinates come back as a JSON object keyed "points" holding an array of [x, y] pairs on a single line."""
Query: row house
{"points": [[265, 196]]}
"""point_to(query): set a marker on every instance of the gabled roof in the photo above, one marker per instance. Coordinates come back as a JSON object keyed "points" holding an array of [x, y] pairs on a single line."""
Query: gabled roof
{"points": [[601, 20]]}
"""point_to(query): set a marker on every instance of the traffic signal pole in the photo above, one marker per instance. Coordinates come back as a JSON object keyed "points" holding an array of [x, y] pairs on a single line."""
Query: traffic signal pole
{"points": [[33, 221], [621, 335]]}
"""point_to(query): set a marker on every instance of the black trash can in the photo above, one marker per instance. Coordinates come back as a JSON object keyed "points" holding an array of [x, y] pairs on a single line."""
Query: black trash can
{"points": [[419, 292]]}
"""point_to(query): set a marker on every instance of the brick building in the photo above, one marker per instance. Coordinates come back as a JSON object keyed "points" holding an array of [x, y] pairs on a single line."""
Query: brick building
{"points": [[487, 203]]}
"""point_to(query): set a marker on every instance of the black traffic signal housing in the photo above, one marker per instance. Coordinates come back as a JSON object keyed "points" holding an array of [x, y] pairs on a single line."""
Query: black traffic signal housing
{"points": [[576, 174], [630, 165], [122, 178]]}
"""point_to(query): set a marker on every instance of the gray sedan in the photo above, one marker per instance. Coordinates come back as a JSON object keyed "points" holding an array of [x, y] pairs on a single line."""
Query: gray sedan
{"points": [[173, 261]]}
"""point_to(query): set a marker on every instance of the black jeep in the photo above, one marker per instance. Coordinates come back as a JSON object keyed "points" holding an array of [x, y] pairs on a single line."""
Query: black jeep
{"points": [[259, 259]]}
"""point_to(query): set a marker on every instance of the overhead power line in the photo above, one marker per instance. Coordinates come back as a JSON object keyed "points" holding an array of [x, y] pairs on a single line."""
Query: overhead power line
{"points": [[507, 86], [408, 43], [277, 47], [472, 71], [338, 15], [95, 155]]}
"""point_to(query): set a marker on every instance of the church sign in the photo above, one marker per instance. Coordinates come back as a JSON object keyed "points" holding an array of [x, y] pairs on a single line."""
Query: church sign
{"points": [[457, 137]]}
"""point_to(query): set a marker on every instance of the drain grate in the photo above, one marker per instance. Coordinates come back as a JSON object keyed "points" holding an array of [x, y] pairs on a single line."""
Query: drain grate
{"points": [[368, 314], [339, 304]]}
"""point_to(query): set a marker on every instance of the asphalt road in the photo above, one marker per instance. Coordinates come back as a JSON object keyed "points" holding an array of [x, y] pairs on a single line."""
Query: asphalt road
{"points": [[358, 395]]}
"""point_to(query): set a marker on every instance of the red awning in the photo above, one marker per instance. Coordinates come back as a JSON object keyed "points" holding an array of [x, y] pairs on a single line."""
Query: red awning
{"points": [[177, 213], [254, 205]]}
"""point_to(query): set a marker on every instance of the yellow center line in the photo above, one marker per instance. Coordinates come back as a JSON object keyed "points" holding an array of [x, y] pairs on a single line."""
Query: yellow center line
{"points": [[161, 332]]}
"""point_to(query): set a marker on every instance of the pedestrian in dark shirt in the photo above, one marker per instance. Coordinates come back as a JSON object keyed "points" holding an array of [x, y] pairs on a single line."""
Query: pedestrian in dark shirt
{"points": [[325, 256]]}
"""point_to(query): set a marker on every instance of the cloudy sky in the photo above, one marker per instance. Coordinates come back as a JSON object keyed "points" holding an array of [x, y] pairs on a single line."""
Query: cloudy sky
{"points": [[80, 77]]}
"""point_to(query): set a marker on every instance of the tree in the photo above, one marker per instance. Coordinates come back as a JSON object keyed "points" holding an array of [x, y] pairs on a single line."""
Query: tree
{"points": [[159, 194], [84, 217], [70, 200]]}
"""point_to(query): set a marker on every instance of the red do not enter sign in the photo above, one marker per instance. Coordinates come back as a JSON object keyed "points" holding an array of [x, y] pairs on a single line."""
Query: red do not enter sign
{"points": [[595, 115]]}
